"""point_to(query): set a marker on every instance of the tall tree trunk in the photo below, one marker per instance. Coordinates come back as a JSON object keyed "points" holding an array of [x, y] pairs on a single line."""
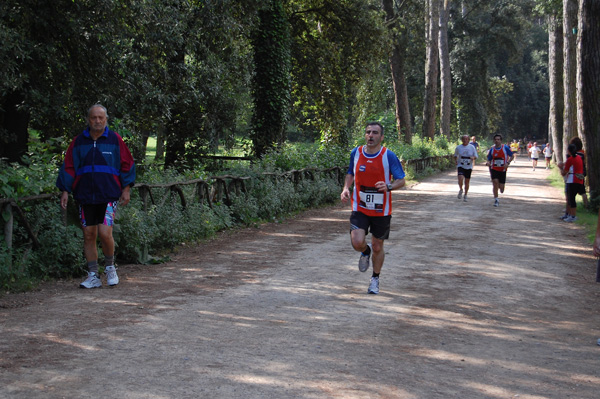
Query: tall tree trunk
{"points": [[14, 122], [403, 119], [445, 75], [555, 70], [175, 136], [569, 72], [588, 84], [175, 146], [431, 68], [160, 144], [271, 85]]}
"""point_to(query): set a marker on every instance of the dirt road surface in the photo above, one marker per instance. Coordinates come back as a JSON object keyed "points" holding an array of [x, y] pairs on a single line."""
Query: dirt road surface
{"points": [[476, 302]]}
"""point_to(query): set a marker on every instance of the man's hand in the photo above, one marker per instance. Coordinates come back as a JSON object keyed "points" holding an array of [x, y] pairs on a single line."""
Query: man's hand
{"points": [[381, 186], [125, 196], [345, 196], [64, 199]]}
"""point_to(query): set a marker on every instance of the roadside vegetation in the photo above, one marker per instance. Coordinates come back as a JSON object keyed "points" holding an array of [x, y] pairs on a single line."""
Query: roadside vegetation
{"points": [[150, 236]]}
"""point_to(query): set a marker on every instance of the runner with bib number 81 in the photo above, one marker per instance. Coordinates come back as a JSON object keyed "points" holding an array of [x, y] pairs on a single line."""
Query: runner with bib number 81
{"points": [[371, 169], [498, 159]]}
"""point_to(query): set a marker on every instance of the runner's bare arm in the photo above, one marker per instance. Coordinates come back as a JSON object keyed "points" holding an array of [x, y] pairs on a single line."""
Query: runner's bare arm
{"points": [[345, 196]]}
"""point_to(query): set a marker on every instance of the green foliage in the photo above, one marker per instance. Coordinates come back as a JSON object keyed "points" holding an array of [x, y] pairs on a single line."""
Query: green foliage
{"points": [[492, 40], [335, 45], [271, 83], [36, 174], [60, 254]]}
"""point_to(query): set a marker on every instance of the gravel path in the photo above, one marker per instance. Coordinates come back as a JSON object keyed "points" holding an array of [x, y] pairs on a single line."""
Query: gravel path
{"points": [[476, 302]]}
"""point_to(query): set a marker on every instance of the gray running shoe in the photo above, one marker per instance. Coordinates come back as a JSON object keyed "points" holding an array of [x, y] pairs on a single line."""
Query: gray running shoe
{"points": [[465, 198], [363, 262], [459, 196], [111, 275], [496, 202], [92, 281], [374, 286]]}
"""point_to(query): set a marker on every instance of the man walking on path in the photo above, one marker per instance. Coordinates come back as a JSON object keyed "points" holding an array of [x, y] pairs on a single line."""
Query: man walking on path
{"points": [[370, 170], [498, 159], [100, 171], [465, 155]]}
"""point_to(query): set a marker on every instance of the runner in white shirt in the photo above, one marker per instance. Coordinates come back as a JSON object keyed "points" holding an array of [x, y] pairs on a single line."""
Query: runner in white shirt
{"points": [[534, 151], [548, 155], [465, 156]]}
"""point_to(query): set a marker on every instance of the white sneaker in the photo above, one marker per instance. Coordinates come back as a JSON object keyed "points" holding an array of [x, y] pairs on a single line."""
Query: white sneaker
{"points": [[496, 202], [465, 198], [111, 275], [374, 286], [459, 196], [570, 219], [92, 281]]}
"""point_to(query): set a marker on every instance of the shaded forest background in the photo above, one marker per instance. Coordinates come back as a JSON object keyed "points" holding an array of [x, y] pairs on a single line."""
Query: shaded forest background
{"points": [[198, 74]]}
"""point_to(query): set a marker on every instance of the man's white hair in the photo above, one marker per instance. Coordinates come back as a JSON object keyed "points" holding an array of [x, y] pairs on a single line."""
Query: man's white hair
{"points": [[97, 106]]}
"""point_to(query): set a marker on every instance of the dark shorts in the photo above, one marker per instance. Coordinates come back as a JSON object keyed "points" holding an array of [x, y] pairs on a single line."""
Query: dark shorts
{"points": [[465, 172], [94, 214], [572, 190], [497, 175], [379, 226], [535, 159]]}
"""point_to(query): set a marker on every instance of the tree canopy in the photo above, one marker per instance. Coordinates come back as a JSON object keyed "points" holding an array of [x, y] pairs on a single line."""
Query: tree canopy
{"points": [[197, 74]]}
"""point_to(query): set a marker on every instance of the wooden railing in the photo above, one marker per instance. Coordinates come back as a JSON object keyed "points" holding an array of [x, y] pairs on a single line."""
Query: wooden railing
{"points": [[210, 190]]}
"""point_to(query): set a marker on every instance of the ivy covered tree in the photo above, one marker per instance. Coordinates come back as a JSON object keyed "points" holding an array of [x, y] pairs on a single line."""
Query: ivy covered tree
{"points": [[271, 83]]}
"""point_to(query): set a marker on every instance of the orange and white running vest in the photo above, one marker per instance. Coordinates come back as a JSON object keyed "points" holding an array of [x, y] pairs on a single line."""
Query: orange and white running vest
{"points": [[368, 171], [499, 158]]}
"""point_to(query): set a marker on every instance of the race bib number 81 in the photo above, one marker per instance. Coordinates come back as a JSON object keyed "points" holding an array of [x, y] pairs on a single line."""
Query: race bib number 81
{"points": [[371, 199]]}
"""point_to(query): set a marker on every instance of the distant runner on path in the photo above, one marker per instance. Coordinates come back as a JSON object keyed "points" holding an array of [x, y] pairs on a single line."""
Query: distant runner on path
{"points": [[465, 155], [370, 170], [534, 151], [498, 159]]}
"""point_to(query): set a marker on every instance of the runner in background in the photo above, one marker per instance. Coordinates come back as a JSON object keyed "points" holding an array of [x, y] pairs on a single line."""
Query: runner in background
{"points": [[514, 147], [534, 151], [465, 155], [498, 159], [548, 155], [474, 143]]}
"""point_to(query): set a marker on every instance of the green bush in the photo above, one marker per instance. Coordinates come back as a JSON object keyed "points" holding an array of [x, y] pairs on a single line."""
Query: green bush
{"points": [[143, 236]]}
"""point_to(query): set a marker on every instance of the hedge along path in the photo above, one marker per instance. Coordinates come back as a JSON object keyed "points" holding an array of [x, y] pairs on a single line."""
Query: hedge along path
{"points": [[214, 189], [209, 191]]}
